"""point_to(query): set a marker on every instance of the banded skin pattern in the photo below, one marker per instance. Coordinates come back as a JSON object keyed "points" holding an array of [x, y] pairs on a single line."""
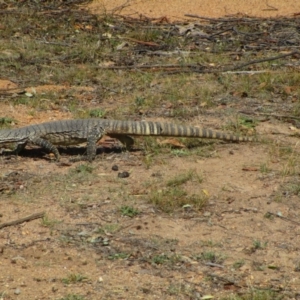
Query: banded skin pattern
{"points": [[71, 132]]}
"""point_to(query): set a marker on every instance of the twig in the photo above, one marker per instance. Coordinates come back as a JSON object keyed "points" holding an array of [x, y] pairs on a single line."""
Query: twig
{"points": [[278, 116], [198, 68], [281, 217], [270, 7], [257, 61], [120, 7], [248, 72], [22, 220], [229, 19], [142, 42], [210, 264]]}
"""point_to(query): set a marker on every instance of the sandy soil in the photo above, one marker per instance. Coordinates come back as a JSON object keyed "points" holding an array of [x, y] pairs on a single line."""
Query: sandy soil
{"points": [[86, 235], [176, 9]]}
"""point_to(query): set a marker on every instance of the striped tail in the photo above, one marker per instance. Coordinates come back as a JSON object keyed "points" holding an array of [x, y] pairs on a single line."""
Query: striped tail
{"points": [[168, 129]]}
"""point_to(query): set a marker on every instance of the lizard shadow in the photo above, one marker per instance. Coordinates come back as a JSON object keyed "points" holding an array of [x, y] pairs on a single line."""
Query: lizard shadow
{"points": [[65, 152]]}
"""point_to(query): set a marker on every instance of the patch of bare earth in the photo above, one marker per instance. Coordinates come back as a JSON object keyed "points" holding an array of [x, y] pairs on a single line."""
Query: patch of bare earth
{"points": [[89, 247]]}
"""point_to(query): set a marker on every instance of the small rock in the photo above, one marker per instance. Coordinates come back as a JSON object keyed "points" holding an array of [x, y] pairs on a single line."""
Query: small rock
{"points": [[123, 174], [115, 168], [17, 291]]}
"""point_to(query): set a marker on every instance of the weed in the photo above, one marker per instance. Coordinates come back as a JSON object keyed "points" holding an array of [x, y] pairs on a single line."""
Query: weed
{"points": [[210, 256], [6, 122], [180, 152], [48, 222], [97, 113], [210, 243], [181, 289], [74, 278], [120, 255], [294, 188], [290, 167], [238, 264], [170, 199], [129, 211], [139, 101], [241, 125], [264, 168], [258, 245], [255, 294], [165, 259], [160, 259], [173, 196], [108, 228], [83, 168], [269, 216], [72, 297], [181, 179], [297, 267]]}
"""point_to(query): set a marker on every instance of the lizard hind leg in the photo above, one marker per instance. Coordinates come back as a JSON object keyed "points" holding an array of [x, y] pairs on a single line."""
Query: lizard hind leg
{"points": [[126, 140], [47, 145]]}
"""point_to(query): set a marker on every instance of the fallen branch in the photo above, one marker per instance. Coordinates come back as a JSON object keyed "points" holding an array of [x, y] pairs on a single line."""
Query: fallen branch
{"points": [[22, 220], [257, 61], [268, 214], [196, 67]]}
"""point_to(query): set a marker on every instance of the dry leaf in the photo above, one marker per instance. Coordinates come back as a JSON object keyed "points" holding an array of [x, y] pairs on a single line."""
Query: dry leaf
{"points": [[205, 192], [172, 142]]}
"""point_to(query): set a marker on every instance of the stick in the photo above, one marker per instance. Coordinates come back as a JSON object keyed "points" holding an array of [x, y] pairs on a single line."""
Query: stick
{"points": [[22, 220], [261, 60]]}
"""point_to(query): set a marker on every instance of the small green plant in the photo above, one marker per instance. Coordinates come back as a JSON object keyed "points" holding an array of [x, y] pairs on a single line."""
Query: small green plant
{"points": [[72, 297], [129, 211], [264, 168], [290, 167], [241, 125], [160, 259], [97, 113], [255, 295], [182, 178], [238, 264], [209, 243], [297, 267], [258, 245], [108, 228], [48, 222], [74, 278], [173, 196], [294, 188], [180, 152], [170, 199], [210, 256], [165, 259], [83, 168], [269, 216], [139, 101], [6, 121], [120, 255]]}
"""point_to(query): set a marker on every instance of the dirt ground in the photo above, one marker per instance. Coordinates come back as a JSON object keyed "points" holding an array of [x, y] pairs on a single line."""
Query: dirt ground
{"points": [[177, 9], [245, 237]]}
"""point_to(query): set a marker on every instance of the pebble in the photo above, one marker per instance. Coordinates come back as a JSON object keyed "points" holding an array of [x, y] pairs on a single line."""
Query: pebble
{"points": [[17, 291], [123, 174], [115, 168]]}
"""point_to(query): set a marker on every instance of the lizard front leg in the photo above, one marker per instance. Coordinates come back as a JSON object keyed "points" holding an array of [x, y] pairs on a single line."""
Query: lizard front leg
{"points": [[94, 136]]}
